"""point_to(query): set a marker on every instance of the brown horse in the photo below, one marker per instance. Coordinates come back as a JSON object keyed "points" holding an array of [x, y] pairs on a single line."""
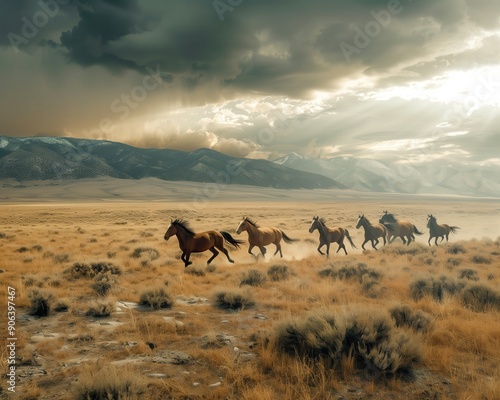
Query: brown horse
{"points": [[438, 230], [372, 232], [397, 228], [327, 235], [261, 237], [190, 242]]}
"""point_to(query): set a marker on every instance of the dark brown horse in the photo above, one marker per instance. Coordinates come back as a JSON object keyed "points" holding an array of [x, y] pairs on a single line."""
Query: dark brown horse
{"points": [[329, 235], [399, 229], [190, 242], [261, 237], [439, 230], [372, 232]]}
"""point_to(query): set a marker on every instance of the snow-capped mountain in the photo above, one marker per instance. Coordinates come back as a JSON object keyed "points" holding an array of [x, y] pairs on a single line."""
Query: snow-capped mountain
{"points": [[399, 176]]}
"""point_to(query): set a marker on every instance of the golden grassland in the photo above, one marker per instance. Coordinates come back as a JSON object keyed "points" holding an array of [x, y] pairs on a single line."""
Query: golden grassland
{"points": [[424, 321]]}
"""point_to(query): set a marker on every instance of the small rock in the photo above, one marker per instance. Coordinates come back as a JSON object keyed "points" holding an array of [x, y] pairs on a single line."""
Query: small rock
{"points": [[224, 321], [157, 375], [196, 384], [215, 384], [260, 316], [236, 349], [151, 345], [2, 271]]}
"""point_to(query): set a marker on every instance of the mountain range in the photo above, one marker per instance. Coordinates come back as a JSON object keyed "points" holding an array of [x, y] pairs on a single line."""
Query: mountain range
{"points": [[398, 176], [39, 158]]}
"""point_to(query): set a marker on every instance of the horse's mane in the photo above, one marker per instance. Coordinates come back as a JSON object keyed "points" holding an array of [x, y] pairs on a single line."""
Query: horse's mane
{"points": [[251, 222], [183, 224], [391, 217], [322, 221], [366, 219]]}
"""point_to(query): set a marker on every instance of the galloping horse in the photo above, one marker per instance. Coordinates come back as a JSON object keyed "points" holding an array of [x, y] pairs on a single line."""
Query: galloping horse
{"points": [[190, 242], [399, 228], [261, 237], [327, 235], [438, 230], [372, 232]]}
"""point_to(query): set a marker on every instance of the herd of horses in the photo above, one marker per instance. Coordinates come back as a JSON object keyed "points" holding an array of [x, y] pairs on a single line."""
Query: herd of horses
{"points": [[388, 229]]}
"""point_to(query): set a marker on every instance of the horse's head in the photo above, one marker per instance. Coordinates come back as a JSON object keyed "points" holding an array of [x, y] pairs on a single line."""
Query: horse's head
{"points": [[242, 226], [430, 220], [360, 221], [314, 224], [171, 231], [386, 217]]}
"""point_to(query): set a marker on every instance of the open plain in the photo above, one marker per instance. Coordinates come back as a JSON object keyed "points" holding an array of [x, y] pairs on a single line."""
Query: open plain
{"points": [[104, 306]]}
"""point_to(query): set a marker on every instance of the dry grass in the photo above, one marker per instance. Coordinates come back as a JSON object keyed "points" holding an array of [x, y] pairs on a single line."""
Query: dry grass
{"points": [[252, 329]]}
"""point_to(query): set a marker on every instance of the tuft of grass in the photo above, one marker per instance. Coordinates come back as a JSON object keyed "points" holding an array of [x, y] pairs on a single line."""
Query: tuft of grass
{"points": [[37, 247], [156, 298], [233, 299], [60, 258], [370, 339], [401, 249], [101, 308], [40, 302], [403, 315], [359, 272], [108, 382], [481, 298], [278, 273], [90, 271], [252, 278], [153, 254], [22, 249], [456, 249], [468, 273], [196, 271]]}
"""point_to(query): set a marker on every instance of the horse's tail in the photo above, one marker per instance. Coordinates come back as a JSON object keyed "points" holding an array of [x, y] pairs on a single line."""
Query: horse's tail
{"points": [[350, 239], [453, 229], [288, 239], [231, 240], [415, 229]]}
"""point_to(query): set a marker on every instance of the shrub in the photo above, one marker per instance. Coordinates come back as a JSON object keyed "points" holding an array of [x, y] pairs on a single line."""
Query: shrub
{"points": [[22, 249], [156, 298], [37, 247], [100, 309], [369, 338], [456, 249], [89, 271], [404, 316], [436, 288], [153, 254], [479, 259], [40, 303], [252, 278], [233, 300], [401, 249], [278, 273], [61, 306], [468, 273], [102, 284], [481, 298], [60, 258]]}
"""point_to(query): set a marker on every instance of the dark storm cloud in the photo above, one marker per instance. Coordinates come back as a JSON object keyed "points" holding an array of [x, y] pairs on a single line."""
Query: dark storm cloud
{"points": [[281, 47]]}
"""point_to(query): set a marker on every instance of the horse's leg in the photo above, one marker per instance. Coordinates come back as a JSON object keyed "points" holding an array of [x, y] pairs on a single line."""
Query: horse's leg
{"points": [[227, 255], [375, 245], [263, 250], [343, 246], [328, 250], [278, 248], [186, 260], [256, 257], [321, 244], [447, 233], [215, 254], [436, 241], [409, 239], [403, 239], [363, 245]]}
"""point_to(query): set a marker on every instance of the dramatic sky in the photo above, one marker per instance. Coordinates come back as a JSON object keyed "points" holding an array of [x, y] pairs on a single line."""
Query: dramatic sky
{"points": [[417, 79]]}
